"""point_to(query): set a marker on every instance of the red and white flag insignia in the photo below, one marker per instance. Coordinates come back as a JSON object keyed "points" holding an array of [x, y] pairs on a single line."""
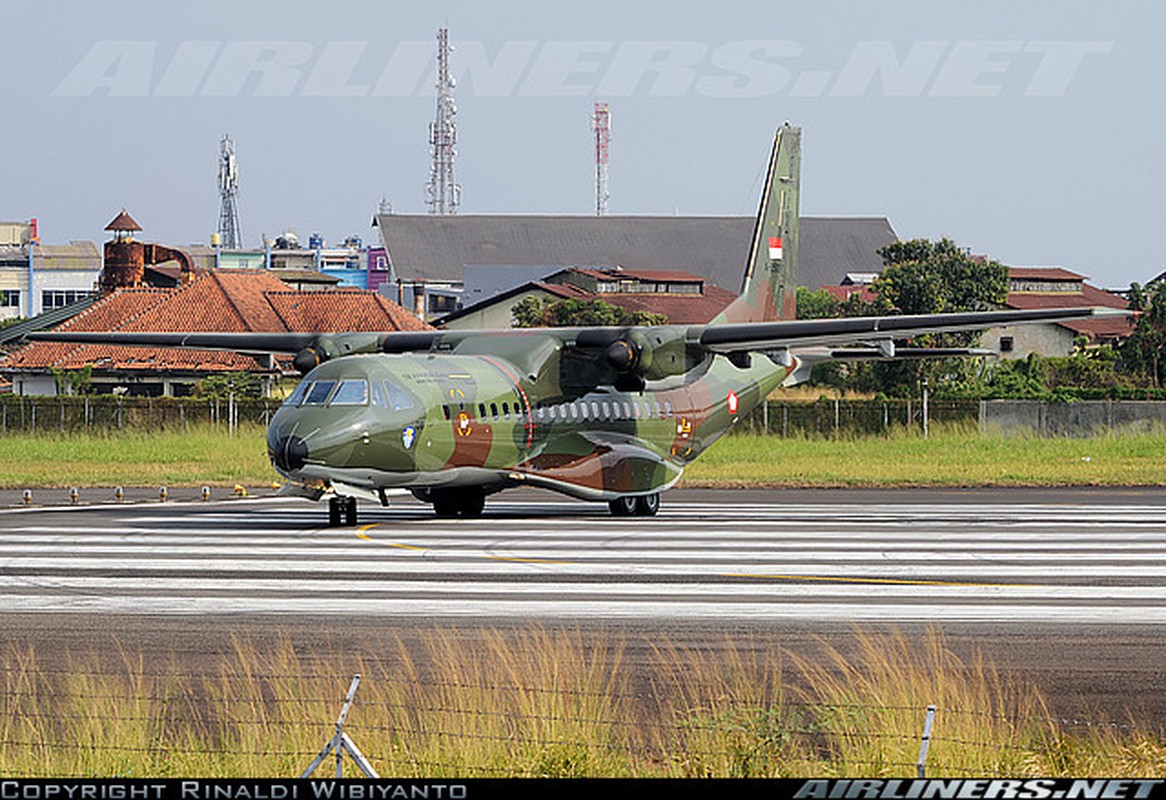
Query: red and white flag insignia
{"points": [[774, 248], [732, 402]]}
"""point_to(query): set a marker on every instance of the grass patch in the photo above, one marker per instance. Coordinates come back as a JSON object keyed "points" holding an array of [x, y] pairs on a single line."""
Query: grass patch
{"points": [[204, 454], [952, 456], [539, 703]]}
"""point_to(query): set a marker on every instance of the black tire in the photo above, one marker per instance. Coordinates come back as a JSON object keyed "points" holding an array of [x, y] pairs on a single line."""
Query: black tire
{"points": [[647, 505], [350, 511], [473, 504], [334, 512], [445, 506], [622, 506]]}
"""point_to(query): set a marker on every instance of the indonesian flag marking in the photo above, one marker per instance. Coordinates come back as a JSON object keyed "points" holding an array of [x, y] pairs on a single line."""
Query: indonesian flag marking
{"points": [[774, 248], [732, 402]]}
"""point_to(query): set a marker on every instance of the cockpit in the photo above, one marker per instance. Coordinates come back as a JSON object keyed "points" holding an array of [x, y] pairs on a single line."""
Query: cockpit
{"points": [[350, 392]]}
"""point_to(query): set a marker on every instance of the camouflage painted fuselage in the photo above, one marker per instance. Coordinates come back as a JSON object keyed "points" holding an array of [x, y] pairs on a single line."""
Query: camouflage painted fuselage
{"points": [[450, 420]]}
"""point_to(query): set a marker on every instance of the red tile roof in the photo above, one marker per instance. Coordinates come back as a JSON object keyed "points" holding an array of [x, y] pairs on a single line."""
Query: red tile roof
{"points": [[680, 309], [1106, 327], [1043, 274], [226, 301]]}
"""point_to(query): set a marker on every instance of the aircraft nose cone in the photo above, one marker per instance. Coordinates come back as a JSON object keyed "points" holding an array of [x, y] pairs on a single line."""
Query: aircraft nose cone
{"points": [[290, 453]]}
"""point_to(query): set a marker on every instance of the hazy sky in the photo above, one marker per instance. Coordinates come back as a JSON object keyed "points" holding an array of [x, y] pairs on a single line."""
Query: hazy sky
{"points": [[1030, 131]]}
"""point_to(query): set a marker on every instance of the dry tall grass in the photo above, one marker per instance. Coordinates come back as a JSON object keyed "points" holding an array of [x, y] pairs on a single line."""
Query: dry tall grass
{"points": [[553, 703]]}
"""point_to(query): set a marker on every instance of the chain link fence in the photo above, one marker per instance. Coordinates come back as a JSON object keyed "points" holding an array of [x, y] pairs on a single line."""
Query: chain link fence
{"points": [[109, 414]]}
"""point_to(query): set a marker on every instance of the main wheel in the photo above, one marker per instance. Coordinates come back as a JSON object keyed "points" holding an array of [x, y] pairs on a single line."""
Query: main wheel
{"points": [[334, 512], [350, 511], [622, 506], [647, 505], [473, 504], [445, 506]]}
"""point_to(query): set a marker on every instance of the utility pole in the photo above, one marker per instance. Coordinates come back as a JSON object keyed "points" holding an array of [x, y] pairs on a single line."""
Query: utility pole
{"points": [[443, 193], [229, 235]]}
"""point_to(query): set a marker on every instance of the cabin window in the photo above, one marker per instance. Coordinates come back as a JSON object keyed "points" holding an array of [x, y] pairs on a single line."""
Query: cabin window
{"points": [[399, 399], [506, 411], [542, 412], [627, 410], [352, 392], [319, 392], [668, 408], [481, 410], [576, 413], [378, 395], [445, 411], [297, 397], [659, 411], [594, 410], [606, 410]]}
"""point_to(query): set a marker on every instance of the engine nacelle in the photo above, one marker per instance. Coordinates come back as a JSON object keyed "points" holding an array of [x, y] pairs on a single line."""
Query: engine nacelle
{"points": [[647, 353]]}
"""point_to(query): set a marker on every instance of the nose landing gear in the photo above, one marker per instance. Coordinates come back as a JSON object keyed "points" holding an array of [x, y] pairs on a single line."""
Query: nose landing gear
{"points": [[341, 507]]}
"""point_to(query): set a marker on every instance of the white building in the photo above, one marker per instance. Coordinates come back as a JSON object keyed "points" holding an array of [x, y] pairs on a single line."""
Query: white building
{"points": [[38, 277]]}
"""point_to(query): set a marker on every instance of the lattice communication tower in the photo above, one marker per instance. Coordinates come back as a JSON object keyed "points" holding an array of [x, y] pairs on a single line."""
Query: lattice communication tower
{"points": [[229, 235], [602, 126], [444, 195]]}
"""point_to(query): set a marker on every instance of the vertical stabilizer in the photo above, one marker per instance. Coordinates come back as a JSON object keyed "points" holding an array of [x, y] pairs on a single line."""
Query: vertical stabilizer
{"points": [[768, 291]]}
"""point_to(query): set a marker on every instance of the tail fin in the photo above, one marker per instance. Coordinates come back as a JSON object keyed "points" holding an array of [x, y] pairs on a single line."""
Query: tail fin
{"points": [[768, 291]]}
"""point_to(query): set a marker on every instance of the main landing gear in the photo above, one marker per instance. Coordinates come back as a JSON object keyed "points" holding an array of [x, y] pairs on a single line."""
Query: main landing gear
{"points": [[341, 508], [463, 501], [645, 505]]}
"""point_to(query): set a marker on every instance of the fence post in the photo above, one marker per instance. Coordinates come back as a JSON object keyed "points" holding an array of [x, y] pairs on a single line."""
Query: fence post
{"points": [[921, 764], [341, 743]]}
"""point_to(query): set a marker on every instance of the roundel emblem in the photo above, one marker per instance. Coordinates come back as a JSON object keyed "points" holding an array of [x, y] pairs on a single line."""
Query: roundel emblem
{"points": [[463, 424], [733, 402]]}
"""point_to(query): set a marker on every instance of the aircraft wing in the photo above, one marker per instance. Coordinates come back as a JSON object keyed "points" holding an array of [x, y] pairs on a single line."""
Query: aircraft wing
{"points": [[878, 333], [755, 336]]}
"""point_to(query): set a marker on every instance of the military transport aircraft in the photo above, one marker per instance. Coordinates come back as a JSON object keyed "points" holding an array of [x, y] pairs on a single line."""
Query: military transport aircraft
{"points": [[602, 414]]}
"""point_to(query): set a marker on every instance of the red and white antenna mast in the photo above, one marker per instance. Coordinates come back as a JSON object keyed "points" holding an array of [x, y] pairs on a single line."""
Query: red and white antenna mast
{"points": [[602, 125], [444, 195]]}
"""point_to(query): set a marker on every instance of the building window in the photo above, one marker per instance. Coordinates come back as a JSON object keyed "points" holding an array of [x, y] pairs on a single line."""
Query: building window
{"points": [[9, 298], [58, 298], [1005, 344]]}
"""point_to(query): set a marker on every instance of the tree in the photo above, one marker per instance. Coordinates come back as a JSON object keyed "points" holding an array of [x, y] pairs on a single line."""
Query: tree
{"points": [[924, 277], [1143, 351], [223, 384], [535, 312]]}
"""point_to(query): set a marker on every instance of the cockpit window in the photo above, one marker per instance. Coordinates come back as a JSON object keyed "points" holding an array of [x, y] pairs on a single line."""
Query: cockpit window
{"points": [[378, 395], [399, 399], [319, 392], [297, 396], [353, 392]]}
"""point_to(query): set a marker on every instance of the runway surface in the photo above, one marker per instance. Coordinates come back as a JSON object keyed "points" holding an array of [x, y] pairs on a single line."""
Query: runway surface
{"points": [[1066, 587], [1075, 558]]}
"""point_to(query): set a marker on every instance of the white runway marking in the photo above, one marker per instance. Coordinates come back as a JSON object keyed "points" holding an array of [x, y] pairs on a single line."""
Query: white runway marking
{"points": [[1070, 563]]}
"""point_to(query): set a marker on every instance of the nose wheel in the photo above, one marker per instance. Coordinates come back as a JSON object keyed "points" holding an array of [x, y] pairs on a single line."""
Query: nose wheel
{"points": [[341, 511], [643, 506]]}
